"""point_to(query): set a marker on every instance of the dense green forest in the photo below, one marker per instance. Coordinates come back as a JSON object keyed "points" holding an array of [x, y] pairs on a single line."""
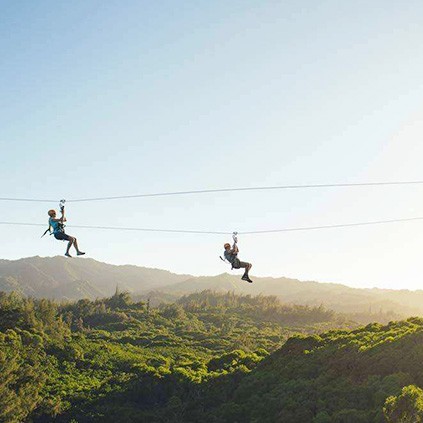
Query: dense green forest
{"points": [[208, 357]]}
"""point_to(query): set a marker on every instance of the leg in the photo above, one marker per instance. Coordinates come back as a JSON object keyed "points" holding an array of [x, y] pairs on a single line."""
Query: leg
{"points": [[247, 267], [70, 243], [78, 251]]}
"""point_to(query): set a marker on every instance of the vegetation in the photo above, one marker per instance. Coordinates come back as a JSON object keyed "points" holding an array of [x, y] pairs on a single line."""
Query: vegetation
{"points": [[338, 376], [208, 357], [406, 407]]}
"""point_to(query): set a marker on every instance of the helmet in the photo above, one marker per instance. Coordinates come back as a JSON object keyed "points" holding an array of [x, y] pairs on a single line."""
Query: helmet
{"points": [[51, 212], [227, 245]]}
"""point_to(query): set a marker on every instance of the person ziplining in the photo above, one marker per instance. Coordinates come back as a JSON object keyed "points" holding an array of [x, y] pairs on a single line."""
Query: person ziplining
{"points": [[231, 255], [56, 227]]}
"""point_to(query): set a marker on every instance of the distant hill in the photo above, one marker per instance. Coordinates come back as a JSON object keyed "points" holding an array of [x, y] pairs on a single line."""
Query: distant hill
{"points": [[334, 296], [62, 278]]}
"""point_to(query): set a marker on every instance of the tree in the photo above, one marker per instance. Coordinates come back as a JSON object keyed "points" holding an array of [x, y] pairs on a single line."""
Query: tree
{"points": [[406, 407]]}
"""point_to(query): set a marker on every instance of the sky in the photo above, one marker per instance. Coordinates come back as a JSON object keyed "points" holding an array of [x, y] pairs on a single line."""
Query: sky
{"points": [[127, 97]]}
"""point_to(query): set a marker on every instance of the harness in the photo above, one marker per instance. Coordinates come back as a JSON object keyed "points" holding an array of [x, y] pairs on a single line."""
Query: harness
{"points": [[60, 228]]}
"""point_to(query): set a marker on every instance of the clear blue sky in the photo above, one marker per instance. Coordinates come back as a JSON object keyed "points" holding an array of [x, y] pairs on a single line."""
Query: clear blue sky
{"points": [[121, 97]]}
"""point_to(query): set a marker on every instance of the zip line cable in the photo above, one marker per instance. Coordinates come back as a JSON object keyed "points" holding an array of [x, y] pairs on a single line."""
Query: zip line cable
{"points": [[218, 190], [304, 228], [122, 229], [342, 225], [32, 200], [239, 189]]}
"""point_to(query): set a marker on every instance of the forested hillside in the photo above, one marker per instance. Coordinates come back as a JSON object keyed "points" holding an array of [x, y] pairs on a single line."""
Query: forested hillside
{"points": [[339, 376], [209, 357], [89, 360]]}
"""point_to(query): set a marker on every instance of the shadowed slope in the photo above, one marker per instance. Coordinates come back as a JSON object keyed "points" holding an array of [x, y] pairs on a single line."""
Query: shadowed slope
{"points": [[60, 278]]}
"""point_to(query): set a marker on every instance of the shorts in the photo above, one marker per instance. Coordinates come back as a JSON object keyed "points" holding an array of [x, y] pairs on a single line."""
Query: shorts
{"points": [[61, 236], [238, 264]]}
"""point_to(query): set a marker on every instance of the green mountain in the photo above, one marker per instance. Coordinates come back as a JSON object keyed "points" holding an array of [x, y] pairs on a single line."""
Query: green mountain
{"points": [[62, 278]]}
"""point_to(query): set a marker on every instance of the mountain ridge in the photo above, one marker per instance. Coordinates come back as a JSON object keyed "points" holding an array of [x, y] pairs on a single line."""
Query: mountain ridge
{"points": [[72, 279], [45, 276]]}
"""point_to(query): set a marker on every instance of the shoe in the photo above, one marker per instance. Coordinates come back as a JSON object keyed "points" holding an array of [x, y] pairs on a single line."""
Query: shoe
{"points": [[246, 278], [80, 253], [68, 255]]}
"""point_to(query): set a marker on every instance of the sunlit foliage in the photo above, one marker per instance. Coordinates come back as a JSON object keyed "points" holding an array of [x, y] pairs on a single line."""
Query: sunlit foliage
{"points": [[208, 357]]}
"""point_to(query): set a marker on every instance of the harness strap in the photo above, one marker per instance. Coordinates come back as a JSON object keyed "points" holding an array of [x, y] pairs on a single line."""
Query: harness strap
{"points": [[47, 230], [232, 263]]}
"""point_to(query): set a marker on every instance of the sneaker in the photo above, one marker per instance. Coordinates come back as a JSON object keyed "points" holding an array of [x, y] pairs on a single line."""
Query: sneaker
{"points": [[68, 255], [80, 253], [246, 278]]}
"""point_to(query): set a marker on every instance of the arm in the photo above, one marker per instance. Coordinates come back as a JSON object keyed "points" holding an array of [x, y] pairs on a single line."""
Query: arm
{"points": [[235, 246], [63, 218]]}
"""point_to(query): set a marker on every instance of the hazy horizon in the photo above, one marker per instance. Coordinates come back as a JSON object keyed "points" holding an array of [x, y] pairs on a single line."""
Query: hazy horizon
{"points": [[227, 271]]}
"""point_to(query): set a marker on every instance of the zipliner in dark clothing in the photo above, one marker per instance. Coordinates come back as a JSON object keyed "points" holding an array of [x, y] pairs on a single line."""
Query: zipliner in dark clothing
{"points": [[231, 255]]}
